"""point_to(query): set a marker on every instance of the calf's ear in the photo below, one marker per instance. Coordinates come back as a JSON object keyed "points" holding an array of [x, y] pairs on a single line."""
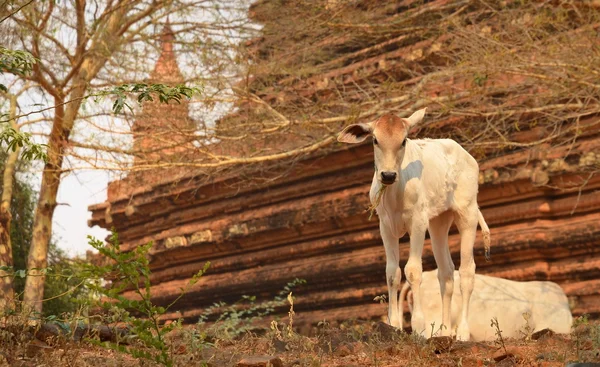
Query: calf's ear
{"points": [[416, 117], [354, 133]]}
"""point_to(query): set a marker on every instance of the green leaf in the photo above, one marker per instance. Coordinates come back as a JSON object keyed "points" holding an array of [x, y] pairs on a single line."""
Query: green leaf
{"points": [[16, 61]]}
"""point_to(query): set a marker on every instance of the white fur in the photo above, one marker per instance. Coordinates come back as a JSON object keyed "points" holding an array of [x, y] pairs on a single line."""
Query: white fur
{"points": [[506, 300], [436, 185]]}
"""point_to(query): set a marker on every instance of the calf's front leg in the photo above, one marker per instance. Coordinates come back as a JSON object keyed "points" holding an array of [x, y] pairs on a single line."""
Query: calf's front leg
{"points": [[414, 272], [393, 274]]}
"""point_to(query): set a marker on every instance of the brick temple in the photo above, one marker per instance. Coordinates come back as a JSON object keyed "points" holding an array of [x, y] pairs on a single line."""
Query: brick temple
{"points": [[311, 223]]}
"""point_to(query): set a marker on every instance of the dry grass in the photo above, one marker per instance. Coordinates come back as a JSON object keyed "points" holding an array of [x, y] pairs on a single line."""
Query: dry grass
{"points": [[356, 344]]}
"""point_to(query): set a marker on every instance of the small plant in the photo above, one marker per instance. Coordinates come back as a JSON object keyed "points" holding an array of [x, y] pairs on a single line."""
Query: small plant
{"points": [[586, 335], [291, 313], [241, 317], [382, 299], [275, 330], [579, 323], [434, 332], [527, 329], [131, 270], [283, 334], [499, 339]]}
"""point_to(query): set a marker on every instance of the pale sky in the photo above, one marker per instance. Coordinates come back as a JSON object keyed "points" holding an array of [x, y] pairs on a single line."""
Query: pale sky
{"points": [[75, 194], [70, 221]]}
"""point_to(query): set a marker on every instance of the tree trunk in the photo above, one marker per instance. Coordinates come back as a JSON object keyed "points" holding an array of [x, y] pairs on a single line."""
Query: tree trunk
{"points": [[6, 259], [104, 43], [37, 260]]}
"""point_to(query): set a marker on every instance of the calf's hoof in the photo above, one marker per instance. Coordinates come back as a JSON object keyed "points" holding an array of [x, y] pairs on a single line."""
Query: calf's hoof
{"points": [[418, 325], [395, 322], [463, 333]]}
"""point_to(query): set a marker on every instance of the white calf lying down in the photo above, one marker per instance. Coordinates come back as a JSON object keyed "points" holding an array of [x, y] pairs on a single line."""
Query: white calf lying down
{"points": [[505, 299]]}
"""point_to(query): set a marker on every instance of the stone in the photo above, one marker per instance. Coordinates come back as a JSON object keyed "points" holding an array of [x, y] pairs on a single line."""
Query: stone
{"points": [[558, 165], [440, 344], [539, 177], [490, 175], [386, 332], [173, 242], [201, 237], [130, 210], [542, 334], [512, 353], [237, 230], [523, 173], [588, 159], [107, 216]]}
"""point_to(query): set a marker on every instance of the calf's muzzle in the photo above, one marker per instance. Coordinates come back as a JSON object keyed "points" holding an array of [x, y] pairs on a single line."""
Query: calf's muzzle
{"points": [[388, 178]]}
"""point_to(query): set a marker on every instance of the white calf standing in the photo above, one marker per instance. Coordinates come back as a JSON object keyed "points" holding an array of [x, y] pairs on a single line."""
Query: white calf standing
{"points": [[428, 184]]}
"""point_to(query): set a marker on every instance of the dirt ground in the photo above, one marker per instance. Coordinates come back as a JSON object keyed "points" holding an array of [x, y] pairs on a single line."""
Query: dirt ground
{"points": [[367, 344]]}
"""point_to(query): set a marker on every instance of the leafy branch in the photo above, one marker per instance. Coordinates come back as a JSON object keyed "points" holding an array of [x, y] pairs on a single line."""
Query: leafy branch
{"points": [[21, 140], [15, 62], [145, 92]]}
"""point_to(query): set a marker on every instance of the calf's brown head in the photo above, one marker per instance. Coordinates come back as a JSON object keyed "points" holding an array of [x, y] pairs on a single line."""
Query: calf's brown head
{"points": [[389, 139]]}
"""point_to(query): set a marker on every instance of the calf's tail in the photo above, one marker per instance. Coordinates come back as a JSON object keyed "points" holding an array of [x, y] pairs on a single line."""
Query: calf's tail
{"points": [[485, 230], [404, 295]]}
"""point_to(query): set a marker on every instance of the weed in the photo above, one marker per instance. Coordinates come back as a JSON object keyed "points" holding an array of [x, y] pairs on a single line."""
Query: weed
{"points": [[527, 329], [579, 324], [587, 339], [499, 339], [382, 299], [231, 321], [435, 332], [131, 270], [356, 330], [324, 332], [276, 331], [291, 313]]}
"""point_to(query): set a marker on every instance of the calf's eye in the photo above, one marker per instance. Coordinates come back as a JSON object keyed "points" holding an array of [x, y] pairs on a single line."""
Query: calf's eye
{"points": [[375, 141], [403, 143]]}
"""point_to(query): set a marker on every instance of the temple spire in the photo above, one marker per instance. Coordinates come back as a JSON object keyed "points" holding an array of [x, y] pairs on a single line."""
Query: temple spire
{"points": [[161, 131], [166, 70]]}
